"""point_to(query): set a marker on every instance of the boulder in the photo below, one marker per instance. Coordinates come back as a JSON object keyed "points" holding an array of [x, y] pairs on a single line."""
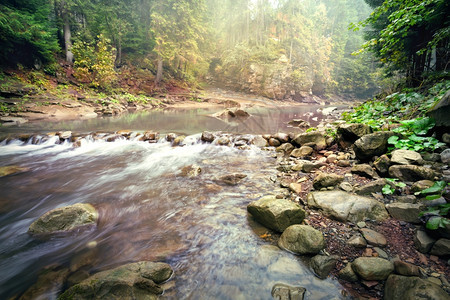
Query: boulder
{"points": [[276, 214], [441, 111], [407, 212], [411, 173], [286, 148], [302, 151], [312, 139], [349, 133], [295, 187], [348, 274], [310, 166], [441, 247], [445, 156], [347, 207], [65, 219], [11, 170], [399, 287], [259, 141], [423, 242], [132, 281], [207, 137], [178, 141], [372, 268], [282, 137], [364, 170], [326, 180], [283, 291], [323, 264], [406, 157], [274, 142], [49, 282], [372, 187], [302, 239], [357, 241], [382, 164], [370, 145]]}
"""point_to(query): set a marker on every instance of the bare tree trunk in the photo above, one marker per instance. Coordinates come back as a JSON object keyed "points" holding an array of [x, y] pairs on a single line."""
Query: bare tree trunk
{"points": [[159, 71], [119, 52], [67, 34]]}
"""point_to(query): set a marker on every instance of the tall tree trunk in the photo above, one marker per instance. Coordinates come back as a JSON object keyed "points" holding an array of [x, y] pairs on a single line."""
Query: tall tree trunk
{"points": [[119, 52], [159, 71], [67, 34]]}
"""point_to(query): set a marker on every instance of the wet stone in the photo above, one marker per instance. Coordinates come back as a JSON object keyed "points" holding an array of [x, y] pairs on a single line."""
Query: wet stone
{"points": [[373, 238], [322, 265], [282, 291]]}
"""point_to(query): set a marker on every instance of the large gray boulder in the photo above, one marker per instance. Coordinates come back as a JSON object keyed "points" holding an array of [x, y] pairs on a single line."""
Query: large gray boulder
{"points": [[370, 145], [405, 157], [312, 139], [322, 265], [441, 247], [372, 268], [276, 214], [441, 111], [132, 281], [411, 173], [399, 287], [347, 134], [344, 206], [302, 239], [65, 219]]}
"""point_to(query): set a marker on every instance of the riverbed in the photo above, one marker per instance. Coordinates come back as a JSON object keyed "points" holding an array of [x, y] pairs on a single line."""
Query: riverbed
{"points": [[148, 211]]}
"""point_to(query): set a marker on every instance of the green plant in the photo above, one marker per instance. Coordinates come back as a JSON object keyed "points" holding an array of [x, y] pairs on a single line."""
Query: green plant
{"points": [[437, 216], [388, 189], [411, 131], [434, 191], [311, 129]]}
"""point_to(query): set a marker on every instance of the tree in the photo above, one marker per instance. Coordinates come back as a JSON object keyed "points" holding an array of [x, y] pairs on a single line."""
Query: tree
{"points": [[411, 36], [26, 32]]}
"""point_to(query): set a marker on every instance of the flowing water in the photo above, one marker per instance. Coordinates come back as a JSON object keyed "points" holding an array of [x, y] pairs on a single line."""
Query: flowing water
{"points": [[148, 211]]}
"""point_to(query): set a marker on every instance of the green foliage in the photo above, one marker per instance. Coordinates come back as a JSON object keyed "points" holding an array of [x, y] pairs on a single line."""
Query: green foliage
{"points": [[26, 34], [388, 189], [94, 63], [437, 216], [397, 107], [405, 33]]}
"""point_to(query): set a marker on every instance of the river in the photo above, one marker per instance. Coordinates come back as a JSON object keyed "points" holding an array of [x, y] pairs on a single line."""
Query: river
{"points": [[148, 211]]}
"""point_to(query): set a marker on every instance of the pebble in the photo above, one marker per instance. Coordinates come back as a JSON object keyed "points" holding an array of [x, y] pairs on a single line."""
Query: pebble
{"points": [[361, 224]]}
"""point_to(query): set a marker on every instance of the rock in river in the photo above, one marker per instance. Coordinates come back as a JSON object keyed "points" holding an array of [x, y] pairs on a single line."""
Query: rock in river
{"points": [[283, 291], [10, 170], [132, 281], [347, 207], [302, 239], [276, 214], [65, 219]]}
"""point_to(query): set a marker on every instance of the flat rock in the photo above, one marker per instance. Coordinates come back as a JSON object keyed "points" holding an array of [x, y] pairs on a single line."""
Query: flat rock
{"points": [[357, 241], [372, 268], [370, 145], [231, 179], [295, 187], [406, 269], [364, 170], [65, 219], [373, 238], [302, 239], [441, 248], [372, 187], [191, 171], [382, 164], [405, 157], [312, 139], [276, 214], [132, 281], [445, 156], [286, 148], [407, 212], [399, 287], [326, 180], [344, 206], [411, 173]]}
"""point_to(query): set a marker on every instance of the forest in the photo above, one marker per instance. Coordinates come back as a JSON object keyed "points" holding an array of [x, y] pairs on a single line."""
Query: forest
{"points": [[277, 48]]}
